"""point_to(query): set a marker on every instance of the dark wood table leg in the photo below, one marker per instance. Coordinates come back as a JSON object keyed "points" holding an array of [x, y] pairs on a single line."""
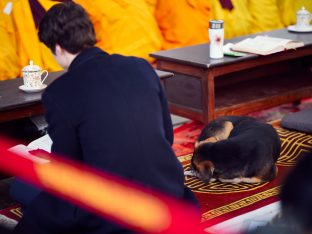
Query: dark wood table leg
{"points": [[209, 98]]}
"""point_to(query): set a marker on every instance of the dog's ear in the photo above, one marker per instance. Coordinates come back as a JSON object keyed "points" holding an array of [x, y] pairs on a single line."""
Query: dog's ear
{"points": [[200, 162], [205, 170], [208, 140]]}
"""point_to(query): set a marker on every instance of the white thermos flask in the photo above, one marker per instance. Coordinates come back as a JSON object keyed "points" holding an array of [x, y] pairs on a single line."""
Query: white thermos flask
{"points": [[216, 36]]}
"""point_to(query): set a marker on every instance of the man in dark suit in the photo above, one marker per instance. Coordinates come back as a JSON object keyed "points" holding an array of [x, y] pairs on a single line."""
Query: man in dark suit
{"points": [[107, 111]]}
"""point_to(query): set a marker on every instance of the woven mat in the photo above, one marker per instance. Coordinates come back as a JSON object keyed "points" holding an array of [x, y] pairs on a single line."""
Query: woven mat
{"points": [[222, 201], [13, 212]]}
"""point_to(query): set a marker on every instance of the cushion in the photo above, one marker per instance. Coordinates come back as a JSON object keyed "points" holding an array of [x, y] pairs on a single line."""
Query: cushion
{"points": [[300, 121]]}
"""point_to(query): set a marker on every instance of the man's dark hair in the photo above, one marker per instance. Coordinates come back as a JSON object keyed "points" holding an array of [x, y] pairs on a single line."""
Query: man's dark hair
{"points": [[68, 25]]}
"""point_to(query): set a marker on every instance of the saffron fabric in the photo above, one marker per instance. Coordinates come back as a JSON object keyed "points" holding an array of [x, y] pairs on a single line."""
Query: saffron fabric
{"points": [[183, 22], [20, 42], [265, 15], [124, 27], [139, 27], [9, 66], [237, 22], [288, 9], [151, 5]]}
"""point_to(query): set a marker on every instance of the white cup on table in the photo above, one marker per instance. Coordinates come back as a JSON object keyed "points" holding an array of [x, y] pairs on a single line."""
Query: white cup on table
{"points": [[303, 18], [34, 76]]}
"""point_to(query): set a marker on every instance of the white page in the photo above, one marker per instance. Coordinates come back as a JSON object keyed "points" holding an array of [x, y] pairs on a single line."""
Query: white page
{"points": [[273, 40], [255, 45], [264, 45], [23, 151], [43, 143]]}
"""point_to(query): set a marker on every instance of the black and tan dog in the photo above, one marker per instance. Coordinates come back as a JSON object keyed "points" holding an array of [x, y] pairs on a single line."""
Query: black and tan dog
{"points": [[236, 149]]}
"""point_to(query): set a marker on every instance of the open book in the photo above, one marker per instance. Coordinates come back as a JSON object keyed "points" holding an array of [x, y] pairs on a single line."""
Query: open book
{"points": [[265, 45], [43, 143]]}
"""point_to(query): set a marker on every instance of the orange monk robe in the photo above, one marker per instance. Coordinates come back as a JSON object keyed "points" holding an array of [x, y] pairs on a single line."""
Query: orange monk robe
{"points": [[287, 12], [151, 5], [183, 22], [47, 4], [265, 14], [49, 63], [303, 3], [237, 22], [124, 27], [9, 66], [26, 34], [288, 9], [20, 41], [29, 47]]}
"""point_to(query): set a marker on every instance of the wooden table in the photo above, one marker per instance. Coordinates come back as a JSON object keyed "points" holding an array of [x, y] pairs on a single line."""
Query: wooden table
{"points": [[203, 88], [16, 104]]}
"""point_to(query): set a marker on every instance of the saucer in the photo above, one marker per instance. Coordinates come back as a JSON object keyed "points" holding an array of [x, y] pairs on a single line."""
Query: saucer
{"points": [[294, 28], [32, 90]]}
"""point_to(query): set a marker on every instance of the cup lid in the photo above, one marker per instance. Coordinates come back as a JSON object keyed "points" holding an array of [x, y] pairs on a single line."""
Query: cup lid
{"points": [[31, 67], [216, 24], [303, 11]]}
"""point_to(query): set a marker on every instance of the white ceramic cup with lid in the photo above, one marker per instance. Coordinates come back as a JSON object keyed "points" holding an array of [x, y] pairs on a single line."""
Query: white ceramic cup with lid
{"points": [[34, 76], [303, 18]]}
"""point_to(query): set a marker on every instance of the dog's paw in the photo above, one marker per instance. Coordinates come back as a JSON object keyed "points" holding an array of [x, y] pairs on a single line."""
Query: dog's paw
{"points": [[212, 179], [190, 173], [233, 181], [252, 180]]}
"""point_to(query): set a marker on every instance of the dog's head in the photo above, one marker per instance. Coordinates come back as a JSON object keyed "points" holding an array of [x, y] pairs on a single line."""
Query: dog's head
{"points": [[202, 160], [201, 163]]}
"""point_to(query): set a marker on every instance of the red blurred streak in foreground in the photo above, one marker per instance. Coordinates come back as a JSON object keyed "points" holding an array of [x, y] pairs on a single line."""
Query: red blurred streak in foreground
{"points": [[180, 217]]}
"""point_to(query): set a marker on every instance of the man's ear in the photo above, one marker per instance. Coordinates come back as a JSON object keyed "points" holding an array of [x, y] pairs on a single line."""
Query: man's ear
{"points": [[58, 49]]}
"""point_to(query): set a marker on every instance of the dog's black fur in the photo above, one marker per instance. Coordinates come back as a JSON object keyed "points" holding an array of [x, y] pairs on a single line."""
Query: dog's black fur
{"points": [[250, 151]]}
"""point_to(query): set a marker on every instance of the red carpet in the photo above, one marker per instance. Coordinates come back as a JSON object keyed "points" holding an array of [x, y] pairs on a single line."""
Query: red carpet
{"points": [[13, 212], [222, 201]]}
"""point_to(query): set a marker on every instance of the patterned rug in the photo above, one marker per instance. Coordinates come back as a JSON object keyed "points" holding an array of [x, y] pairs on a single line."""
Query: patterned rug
{"points": [[13, 212], [222, 201], [10, 216]]}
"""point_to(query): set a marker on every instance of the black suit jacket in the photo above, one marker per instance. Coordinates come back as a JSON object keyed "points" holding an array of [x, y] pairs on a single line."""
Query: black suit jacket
{"points": [[110, 112]]}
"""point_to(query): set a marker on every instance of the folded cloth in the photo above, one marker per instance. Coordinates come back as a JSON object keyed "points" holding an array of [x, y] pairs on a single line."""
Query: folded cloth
{"points": [[226, 4], [37, 11], [300, 121]]}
